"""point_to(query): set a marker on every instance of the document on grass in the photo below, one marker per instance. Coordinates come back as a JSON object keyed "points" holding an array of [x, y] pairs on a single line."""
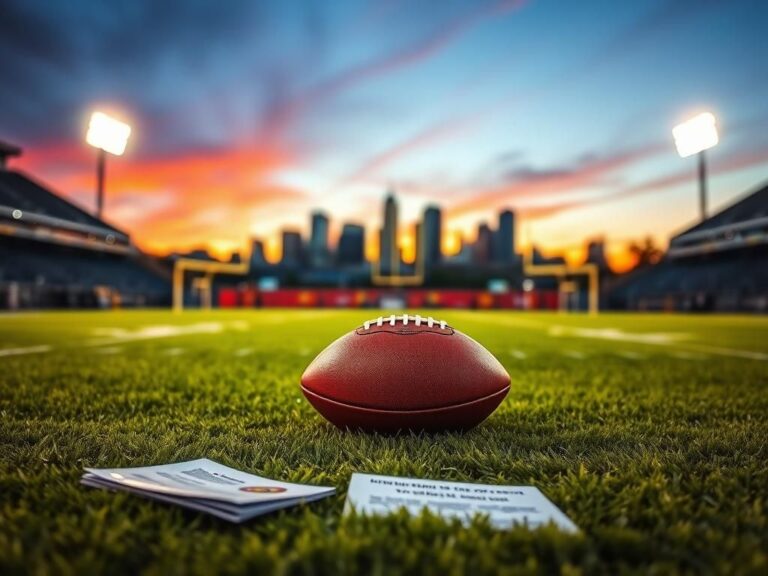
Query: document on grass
{"points": [[206, 486], [505, 505]]}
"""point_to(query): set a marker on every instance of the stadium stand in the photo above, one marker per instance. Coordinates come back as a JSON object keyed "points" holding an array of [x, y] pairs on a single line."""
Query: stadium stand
{"points": [[54, 254], [720, 264]]}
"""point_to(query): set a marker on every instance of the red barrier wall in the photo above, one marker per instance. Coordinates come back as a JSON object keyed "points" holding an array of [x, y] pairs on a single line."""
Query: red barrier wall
{"points": [[364, 298]]}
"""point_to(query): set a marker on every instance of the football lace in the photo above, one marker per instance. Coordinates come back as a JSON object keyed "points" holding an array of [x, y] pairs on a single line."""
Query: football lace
{"points": [[392, 320]]}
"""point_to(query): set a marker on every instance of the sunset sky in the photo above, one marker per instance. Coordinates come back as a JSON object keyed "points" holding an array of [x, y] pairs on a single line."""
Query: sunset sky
{"points": [[247, 115]]}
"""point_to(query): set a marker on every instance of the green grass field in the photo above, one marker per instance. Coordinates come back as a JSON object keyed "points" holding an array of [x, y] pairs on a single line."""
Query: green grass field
{"points": [[648, 431]]}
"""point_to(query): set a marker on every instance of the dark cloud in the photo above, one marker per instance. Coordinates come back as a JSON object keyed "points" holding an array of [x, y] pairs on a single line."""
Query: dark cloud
{"points": [[196, 73], [60, 57]]}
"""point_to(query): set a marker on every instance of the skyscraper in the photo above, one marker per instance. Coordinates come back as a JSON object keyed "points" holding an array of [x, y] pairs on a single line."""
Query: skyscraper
{"points": [[483, 250], [418, 243], [257, 254], [505, 238], [596, 254], [389, 255], [351, 245], [293, 252], [319, 255], [431, 234]]}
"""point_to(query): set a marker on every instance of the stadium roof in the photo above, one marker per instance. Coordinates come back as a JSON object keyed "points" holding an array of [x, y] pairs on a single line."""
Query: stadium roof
{"points": [[743, 223], [7, 149], [754, 205], [18, 192]]}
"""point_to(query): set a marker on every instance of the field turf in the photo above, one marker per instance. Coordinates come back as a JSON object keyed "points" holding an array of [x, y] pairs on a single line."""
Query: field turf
{"points": [[648, 431]]}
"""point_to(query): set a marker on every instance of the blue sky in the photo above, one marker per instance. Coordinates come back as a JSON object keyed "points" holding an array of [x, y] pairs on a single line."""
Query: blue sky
{"points": [[557, 109]]}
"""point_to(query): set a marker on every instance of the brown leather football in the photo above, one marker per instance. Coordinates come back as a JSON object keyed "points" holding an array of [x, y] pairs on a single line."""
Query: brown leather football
{"points": [[402, 373]]}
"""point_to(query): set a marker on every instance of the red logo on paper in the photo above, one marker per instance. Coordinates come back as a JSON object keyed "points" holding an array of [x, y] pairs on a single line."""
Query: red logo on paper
{"points": [[263, 489]]}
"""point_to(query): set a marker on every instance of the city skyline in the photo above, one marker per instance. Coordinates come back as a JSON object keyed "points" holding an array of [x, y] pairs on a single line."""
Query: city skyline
{"points": [[318, 251], [561, 111]]}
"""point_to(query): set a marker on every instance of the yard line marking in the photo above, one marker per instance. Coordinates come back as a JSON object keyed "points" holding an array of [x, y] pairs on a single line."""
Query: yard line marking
{"points": [[22, 351], [662, 338], [244, 352], [108, 350], [630, 355], [683, 355], [750, 354], [240, 325], [117, 335], [575, 354], [173, 351], [668, 339], [518, 354]]}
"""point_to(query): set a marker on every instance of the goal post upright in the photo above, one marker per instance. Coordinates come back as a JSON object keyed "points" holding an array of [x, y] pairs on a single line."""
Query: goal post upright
{"points": [[209, 269], [396, 280], [563, 271]]}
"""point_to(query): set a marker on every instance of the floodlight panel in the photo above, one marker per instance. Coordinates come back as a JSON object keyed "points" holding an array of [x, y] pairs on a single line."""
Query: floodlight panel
{"points": [[107, 133], [695, 135]]}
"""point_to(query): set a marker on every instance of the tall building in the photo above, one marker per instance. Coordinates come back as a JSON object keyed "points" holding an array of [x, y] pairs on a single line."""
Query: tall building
{"points": [[596, 254], [319, 254], [483, 250], [257, 254], [463, 255], [351, 250], [389, 255], [431, 234], [418, 244], [293, 251], [505, 238]]}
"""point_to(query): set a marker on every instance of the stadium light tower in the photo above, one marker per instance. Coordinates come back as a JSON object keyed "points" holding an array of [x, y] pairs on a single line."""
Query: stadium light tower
{"points": [[107, 135], [694, 136]]}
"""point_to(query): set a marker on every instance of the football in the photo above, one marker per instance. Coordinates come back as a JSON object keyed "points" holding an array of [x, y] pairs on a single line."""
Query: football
{"points": [[402, 373]]}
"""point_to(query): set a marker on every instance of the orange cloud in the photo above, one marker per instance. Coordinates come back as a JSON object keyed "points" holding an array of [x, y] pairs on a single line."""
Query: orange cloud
{"points": [[174, 202]]}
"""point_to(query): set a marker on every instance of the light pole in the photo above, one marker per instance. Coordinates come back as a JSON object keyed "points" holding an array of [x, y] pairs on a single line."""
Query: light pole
{"points": [[107, 135], [694, 136]]}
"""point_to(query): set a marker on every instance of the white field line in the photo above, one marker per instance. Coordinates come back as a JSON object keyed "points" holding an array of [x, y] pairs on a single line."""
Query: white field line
{"points": [[119, 335], [666, 339], [22, 351], [614, 334], [107, 336], [174, 351], [670, 339], [109, 350], [629, 355], [749, 354], [683, 355], [244, 352], [574, 354], [518, 354]]}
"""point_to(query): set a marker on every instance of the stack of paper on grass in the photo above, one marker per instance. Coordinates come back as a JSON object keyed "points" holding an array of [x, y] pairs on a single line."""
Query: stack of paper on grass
{"points": [[505, 506], [206, 486]]}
